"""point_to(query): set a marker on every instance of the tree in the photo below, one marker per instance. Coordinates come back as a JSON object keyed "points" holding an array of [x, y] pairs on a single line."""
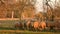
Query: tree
{"points": [[27, 8], [50, 11]]}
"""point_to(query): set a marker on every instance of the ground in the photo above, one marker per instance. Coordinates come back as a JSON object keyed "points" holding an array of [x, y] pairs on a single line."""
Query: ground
{"points": [[25, 32], [10, 30]]}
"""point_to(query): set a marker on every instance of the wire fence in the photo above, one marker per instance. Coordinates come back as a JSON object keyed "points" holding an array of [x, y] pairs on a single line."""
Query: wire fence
{"points": [[7, 24]]}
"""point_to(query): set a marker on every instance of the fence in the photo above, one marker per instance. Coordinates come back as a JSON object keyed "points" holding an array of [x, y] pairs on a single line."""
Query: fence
{"points": [[7, 24]]}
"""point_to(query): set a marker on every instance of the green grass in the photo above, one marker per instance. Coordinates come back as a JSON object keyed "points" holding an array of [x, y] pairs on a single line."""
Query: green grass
{"points": [[29, 32], [2, 28], [9, 25]]}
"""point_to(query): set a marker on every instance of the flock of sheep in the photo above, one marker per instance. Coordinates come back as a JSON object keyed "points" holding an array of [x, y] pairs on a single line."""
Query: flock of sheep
{"points": [[37, 25]]}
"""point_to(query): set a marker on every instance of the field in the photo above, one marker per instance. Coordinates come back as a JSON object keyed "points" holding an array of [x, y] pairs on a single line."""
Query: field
{"points": [[25, 32], [8, 23], [7, 27]]}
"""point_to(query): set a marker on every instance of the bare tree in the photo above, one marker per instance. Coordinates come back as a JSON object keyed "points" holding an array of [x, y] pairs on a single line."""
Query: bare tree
{"points": [[50, 10]]}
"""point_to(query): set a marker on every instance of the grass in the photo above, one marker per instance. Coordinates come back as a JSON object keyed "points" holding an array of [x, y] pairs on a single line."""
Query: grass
{"points": [[27, 32], [4, 28], [8, 24]]}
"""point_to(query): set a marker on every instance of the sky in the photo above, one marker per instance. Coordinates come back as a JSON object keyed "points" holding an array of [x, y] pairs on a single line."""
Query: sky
{"points": [[39, 5]]}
